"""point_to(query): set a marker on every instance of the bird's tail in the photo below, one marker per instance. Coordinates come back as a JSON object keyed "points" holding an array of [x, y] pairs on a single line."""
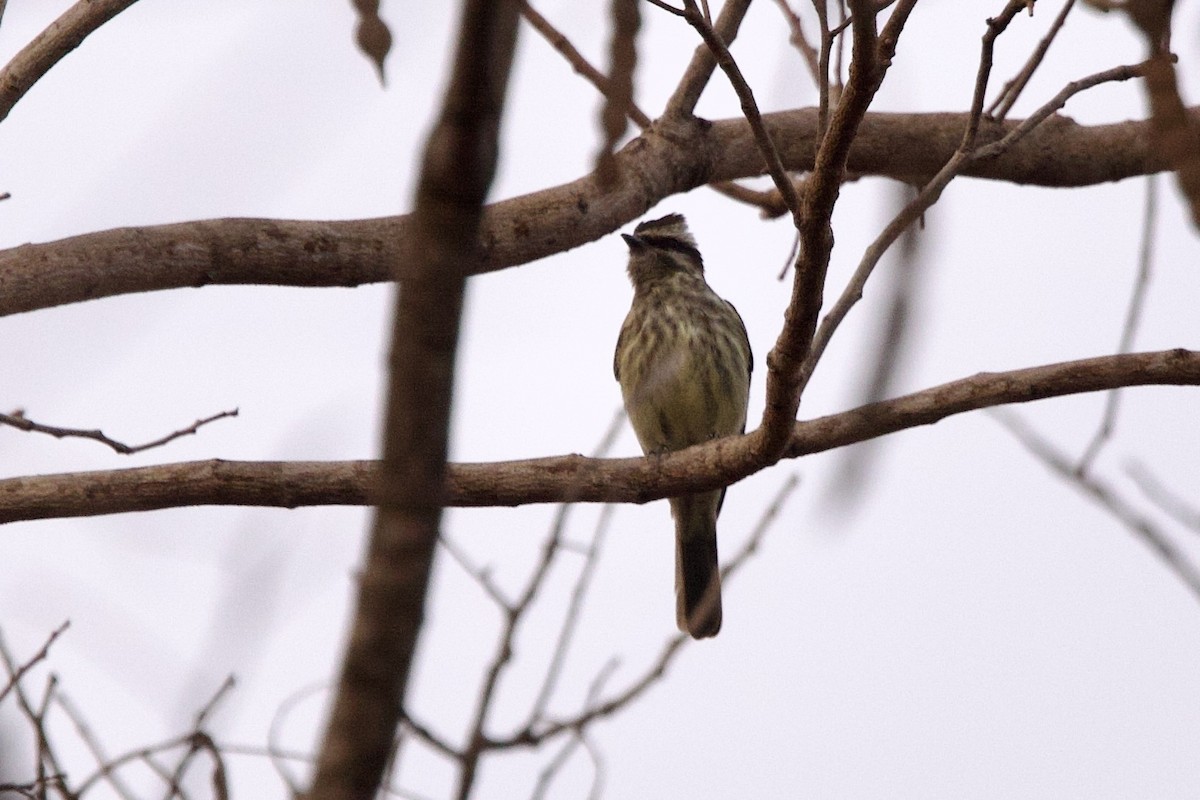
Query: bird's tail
{"points": [[697, 574]]}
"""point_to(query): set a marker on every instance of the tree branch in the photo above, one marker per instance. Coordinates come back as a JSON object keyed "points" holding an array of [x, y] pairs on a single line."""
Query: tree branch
{"points": [[908, 147], [19, 421], [821, 190], [699, 71], [291, 484], [457, 170], [52, 45]]}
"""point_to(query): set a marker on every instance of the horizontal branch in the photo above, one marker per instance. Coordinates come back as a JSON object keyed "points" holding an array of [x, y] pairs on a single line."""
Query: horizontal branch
{"points": [[570, 478], [667, 159]]}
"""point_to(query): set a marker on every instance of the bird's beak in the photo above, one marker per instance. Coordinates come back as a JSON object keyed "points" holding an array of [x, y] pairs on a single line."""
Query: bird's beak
{"points": [[634, 242]]}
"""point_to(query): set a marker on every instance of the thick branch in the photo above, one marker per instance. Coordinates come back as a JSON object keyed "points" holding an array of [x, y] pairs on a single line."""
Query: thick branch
{"points": [[909, 147], [457, 170], [571, 478]]}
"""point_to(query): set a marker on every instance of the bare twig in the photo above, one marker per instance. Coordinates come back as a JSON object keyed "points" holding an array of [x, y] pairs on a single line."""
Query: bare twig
{"points": [[532, 735], [578, 737], [15, 675], [768, 202], [825, 98], [478, 741], [480, 575], [51, 45], [1169, 502], [198, 741], [21, 422], [426, 735], [84, 730], [932, 192], [1027, 125], [770, 154], [571, 618], [800, 41], [699, 71], [1004, 101], [577, 60], [193, 742], [995, 26], [1133, 315], [785, 362], [274, 733], [1108, 498], [49, 771]]}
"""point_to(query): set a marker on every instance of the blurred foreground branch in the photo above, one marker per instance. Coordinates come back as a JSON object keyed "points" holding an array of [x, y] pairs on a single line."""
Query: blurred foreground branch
{"points": [[456, 173]]}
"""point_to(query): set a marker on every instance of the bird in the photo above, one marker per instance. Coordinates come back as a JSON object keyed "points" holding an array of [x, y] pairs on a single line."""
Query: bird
{"points": [[683, 361]]}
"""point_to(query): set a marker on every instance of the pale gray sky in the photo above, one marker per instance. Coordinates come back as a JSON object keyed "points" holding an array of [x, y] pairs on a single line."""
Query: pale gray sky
{"points": [[974, 629]]}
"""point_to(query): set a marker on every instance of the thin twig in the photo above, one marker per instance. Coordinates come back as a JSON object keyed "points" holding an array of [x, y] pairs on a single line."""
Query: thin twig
{"points": [[139, 754], [800, 41], [657, 671], [198, 741], [1107, 497], [46, 760], [931, 193], [571, 618], [16, 675], [426, 734], [1004, 101], [21, 422], [1116, 74], [1171, 504], [1133, 316], [84, 730], [785, 362], [579, 737], [477, 739], [274, 732], [576, 59], [769, 203], [480, 575], [682, 103], [766, 146], [824, 99]]}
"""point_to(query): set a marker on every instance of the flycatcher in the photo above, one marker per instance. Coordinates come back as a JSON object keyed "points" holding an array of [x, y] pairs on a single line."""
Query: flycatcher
{"points": [[683, 361]]}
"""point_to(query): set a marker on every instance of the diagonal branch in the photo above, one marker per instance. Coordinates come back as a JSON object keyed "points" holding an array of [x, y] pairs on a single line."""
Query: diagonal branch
{"points": [[932, 191], [1104, 495], [762, 136], [572, 477], [52, 45], [700, 70]]}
